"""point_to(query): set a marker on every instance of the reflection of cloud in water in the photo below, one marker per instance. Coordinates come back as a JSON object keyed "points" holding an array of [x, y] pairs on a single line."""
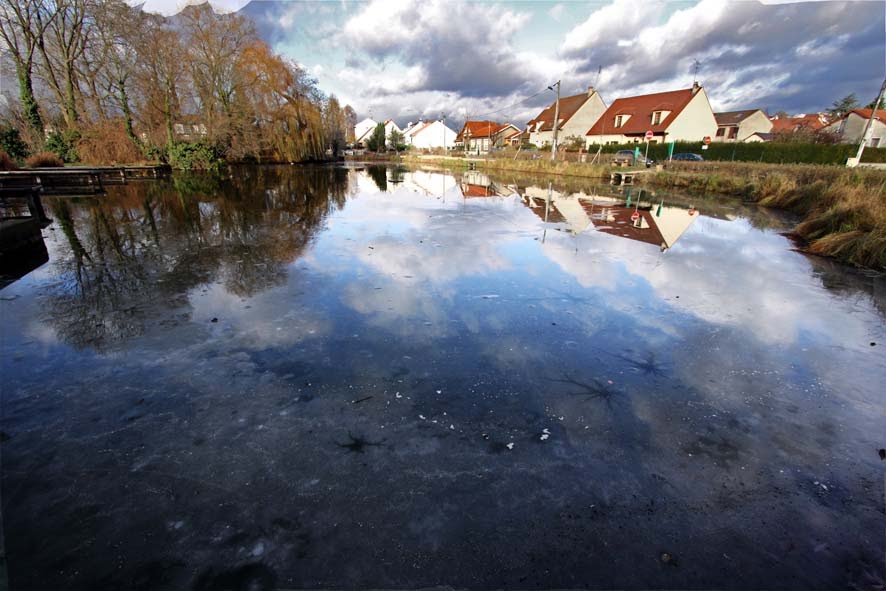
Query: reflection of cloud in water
{"points": [[707, 276], [271, 319]]}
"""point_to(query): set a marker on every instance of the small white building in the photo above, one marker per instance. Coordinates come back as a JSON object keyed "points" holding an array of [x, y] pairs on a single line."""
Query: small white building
{"points": [[850, 127], [429, 134], [577, 115], [740, 126], [678, 115]]}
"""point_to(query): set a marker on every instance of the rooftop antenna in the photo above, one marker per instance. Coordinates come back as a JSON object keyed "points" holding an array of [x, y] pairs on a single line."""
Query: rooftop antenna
{"points": [[597, 79], [697, 65]]}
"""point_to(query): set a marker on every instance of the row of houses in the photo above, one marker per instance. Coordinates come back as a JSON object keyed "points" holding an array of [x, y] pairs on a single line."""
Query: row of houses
{"points": [[680, 115], [420, 134]]}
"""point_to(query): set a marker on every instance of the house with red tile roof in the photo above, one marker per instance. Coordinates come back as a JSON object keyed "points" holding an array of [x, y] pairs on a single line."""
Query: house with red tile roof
{"points": [[678, 115], [850, 127], [577, 114], [798, 123], [481, 136], [739, 126]]}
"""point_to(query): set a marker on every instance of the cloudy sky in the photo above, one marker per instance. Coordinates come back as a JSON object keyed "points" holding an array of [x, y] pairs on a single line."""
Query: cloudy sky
{"points": [[413, 58]]}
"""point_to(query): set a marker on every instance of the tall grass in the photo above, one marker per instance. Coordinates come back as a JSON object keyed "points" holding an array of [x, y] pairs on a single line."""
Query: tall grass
{"points": [[539, 166], [843, 210], [44, 160]]}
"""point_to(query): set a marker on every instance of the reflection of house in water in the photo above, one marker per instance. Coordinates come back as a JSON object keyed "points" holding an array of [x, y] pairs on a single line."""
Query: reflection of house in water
{"points": [[630, 217], [21, 241], [477, 184]]}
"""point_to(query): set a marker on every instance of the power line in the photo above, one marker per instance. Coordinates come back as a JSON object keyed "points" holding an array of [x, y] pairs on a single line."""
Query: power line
{"points": [[511, 106]]}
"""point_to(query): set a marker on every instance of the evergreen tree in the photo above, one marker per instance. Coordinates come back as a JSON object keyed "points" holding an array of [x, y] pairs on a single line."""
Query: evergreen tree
{"points": [[396, 141], [376, 141], [843, 106]]}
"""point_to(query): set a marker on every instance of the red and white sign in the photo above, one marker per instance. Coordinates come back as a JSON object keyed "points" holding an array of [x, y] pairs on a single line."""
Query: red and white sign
{"points": [[707, 140], [649, 135], [635, 216]]}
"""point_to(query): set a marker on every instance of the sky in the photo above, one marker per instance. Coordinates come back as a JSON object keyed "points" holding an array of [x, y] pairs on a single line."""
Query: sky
{"points": [[408, 59]]}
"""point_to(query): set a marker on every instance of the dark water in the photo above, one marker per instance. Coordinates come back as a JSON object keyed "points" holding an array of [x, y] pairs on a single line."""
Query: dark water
{"points": [[377, 378]]}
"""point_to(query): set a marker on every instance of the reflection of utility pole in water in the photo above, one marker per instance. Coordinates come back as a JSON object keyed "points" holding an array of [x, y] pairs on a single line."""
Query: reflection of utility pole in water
{"points": [[544, 232]]}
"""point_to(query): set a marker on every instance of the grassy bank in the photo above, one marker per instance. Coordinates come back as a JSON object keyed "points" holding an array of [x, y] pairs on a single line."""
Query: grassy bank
{"points": [[539, 166], [843, 210]]}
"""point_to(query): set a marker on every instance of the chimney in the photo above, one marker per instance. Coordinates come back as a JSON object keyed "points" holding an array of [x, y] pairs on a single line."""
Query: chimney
{"points": [[695, 87], [591, 91]]}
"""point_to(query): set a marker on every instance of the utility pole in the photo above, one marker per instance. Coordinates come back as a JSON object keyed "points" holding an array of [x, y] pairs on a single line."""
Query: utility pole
{"points": [[868, 130], [556, 120]]}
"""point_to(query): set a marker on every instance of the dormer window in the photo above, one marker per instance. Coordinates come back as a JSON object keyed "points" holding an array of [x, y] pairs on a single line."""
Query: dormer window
{"points": [[620, 120], [659, 116]]}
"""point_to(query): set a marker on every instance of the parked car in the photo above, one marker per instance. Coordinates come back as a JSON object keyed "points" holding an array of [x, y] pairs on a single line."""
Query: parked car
{"points": [[686, 156], [627, 157]]}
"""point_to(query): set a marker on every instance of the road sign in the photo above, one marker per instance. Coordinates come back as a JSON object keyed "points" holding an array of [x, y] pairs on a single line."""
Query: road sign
{"points": [[635, 216], [649, 135], [707, 140]]}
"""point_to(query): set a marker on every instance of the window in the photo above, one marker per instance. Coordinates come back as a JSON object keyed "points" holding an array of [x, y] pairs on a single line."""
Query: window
{"points": [[656, 118], [619, 120], [721, 131]]}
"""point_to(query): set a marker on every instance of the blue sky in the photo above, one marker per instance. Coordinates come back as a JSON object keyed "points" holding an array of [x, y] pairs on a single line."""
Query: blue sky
{"points": [[425, 58]]}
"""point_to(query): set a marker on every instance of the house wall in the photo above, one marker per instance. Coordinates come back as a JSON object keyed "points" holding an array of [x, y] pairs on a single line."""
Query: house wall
{"points": [[363, 126], [481, 144], [756, 123], [694, 122], [577, 126], [851, 129], [583, 119], [434, 136]]}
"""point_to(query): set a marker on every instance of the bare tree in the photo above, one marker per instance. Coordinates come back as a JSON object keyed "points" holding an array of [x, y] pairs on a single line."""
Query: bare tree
{"points": [[22, 30]]}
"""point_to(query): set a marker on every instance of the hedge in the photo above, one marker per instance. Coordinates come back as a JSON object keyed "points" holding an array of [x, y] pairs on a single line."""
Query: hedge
{"points": [[771, 152]]}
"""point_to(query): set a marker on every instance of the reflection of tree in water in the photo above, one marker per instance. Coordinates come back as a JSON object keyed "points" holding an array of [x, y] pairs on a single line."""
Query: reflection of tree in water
{"points": [[379, 175], [134, 254]]}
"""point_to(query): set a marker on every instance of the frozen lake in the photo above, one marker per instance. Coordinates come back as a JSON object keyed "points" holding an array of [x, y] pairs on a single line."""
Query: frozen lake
{"points": [[350, 378]]}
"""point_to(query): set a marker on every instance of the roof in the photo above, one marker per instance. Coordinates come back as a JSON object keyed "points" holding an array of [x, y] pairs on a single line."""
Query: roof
{"points": [[640, 108], [418, 128], [765, 136], [479, 129], [814, 122], [734, 117], [866, 113], [569, 106], [468, 190]]}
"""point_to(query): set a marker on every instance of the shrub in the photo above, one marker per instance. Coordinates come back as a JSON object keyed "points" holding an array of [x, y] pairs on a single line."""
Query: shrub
{"points": [[7, 163], [11, 143], [44, 160], [197, 156], [63, 145], [106, 142], [767, 152]]}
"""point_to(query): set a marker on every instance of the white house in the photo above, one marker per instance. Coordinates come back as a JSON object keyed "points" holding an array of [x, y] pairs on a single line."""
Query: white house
{"points": [[740, 126], [678, 115], [364, 126], [577, 115], [850, 127], [429, 134]]}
